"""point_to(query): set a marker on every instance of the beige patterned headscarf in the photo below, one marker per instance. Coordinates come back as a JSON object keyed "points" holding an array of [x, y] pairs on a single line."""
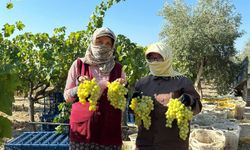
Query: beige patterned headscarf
{"points": [[105, 59], [164, 68]]}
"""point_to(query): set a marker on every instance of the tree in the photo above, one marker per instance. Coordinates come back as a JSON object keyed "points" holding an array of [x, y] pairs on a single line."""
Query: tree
{"points": [[43, 61], [246, 50], [36, 65], [131, 56], [202, 39]]}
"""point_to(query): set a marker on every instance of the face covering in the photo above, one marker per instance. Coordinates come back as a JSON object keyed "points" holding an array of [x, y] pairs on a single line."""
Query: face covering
{"points": [[160, 68], [102, 53]]}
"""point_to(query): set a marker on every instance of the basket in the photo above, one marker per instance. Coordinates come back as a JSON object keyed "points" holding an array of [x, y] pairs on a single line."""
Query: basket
{"points": [[220, 114], [128, 145], [232, 132], [204, 119], [204, 139], [240, 109], [133, 137]]}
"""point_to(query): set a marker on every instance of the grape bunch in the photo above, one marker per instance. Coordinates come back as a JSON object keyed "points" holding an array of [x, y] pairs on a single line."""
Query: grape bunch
{"points": [[142, 108], [177, 110], [116, 95], [89, 90]]}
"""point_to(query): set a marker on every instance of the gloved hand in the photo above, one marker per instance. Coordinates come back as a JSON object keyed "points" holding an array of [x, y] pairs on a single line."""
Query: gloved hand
{"points": [[186, 100], [137, 94]]}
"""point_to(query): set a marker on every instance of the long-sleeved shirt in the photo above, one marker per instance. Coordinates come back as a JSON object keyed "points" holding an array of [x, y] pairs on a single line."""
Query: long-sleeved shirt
{"points": [[71, 82], [161, 89]]}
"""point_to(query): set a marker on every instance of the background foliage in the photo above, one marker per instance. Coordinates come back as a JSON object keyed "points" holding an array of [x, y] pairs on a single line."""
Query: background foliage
{"points": [[202, 38]]}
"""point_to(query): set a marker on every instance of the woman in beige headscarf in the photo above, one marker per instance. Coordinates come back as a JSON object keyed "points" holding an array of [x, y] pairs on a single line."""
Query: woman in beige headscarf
{"points": [[159, 59], [100, 129], [163, 83]]}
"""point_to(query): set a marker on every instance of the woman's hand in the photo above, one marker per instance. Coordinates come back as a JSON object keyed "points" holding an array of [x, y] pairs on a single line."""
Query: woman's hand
{"points": [[82, 78], [120, 80]]}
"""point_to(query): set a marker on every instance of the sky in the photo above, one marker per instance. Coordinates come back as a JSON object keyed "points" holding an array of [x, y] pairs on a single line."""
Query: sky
{"points": [[139, 20]]}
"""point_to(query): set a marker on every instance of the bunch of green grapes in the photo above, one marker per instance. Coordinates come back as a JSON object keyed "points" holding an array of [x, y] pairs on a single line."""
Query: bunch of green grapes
{"points": [[142, 108], [183, 114], [89, 90], [116, 95]]}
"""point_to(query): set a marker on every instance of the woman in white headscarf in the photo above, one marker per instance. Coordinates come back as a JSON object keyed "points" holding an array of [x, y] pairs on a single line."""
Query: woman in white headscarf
{"points": [[99, 129], [163, 83]]}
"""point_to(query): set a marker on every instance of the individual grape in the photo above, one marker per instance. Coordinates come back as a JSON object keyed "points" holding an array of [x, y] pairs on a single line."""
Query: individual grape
{"points": [[177, 110], [116, 95], [89, 90]]}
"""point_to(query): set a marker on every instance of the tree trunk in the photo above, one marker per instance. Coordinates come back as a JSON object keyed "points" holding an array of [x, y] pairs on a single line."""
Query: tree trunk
{"points": [[31, 107], [197, 83], [200, 90], [32, 112]]}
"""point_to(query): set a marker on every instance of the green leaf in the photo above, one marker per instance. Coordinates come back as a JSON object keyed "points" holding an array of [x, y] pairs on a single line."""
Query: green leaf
{"points": [[5, 127], [9, 5], [20, 25], [119, 49], [8, 30]]}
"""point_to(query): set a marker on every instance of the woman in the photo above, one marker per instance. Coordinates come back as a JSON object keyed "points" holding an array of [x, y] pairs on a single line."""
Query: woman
{"points": [[163, 83], [99, 129]]}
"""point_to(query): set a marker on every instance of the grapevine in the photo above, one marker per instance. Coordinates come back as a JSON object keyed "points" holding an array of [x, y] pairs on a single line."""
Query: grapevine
{"points": [[177, 110], [116, 95], [89, 90], [142, 108]]}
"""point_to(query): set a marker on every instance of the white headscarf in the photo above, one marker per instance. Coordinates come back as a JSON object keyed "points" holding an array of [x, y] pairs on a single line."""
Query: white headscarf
{"points": [[161, 68], [99, 55]]}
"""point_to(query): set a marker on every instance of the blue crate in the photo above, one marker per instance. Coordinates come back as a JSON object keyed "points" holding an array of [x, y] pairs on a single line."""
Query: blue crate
{"points": [[47, 118], [130, 118], [54, 100], [50, 111], [38, 141]]}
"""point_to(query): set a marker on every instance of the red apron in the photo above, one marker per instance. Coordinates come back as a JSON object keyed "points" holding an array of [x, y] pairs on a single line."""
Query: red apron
{"points": [[102, 126]]}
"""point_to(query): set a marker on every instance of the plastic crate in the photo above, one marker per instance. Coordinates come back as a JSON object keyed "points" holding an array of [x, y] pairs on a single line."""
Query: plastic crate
{"points": [[130, 118], [38, 141], [50, 110], [47, 118], [53, 100]]}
